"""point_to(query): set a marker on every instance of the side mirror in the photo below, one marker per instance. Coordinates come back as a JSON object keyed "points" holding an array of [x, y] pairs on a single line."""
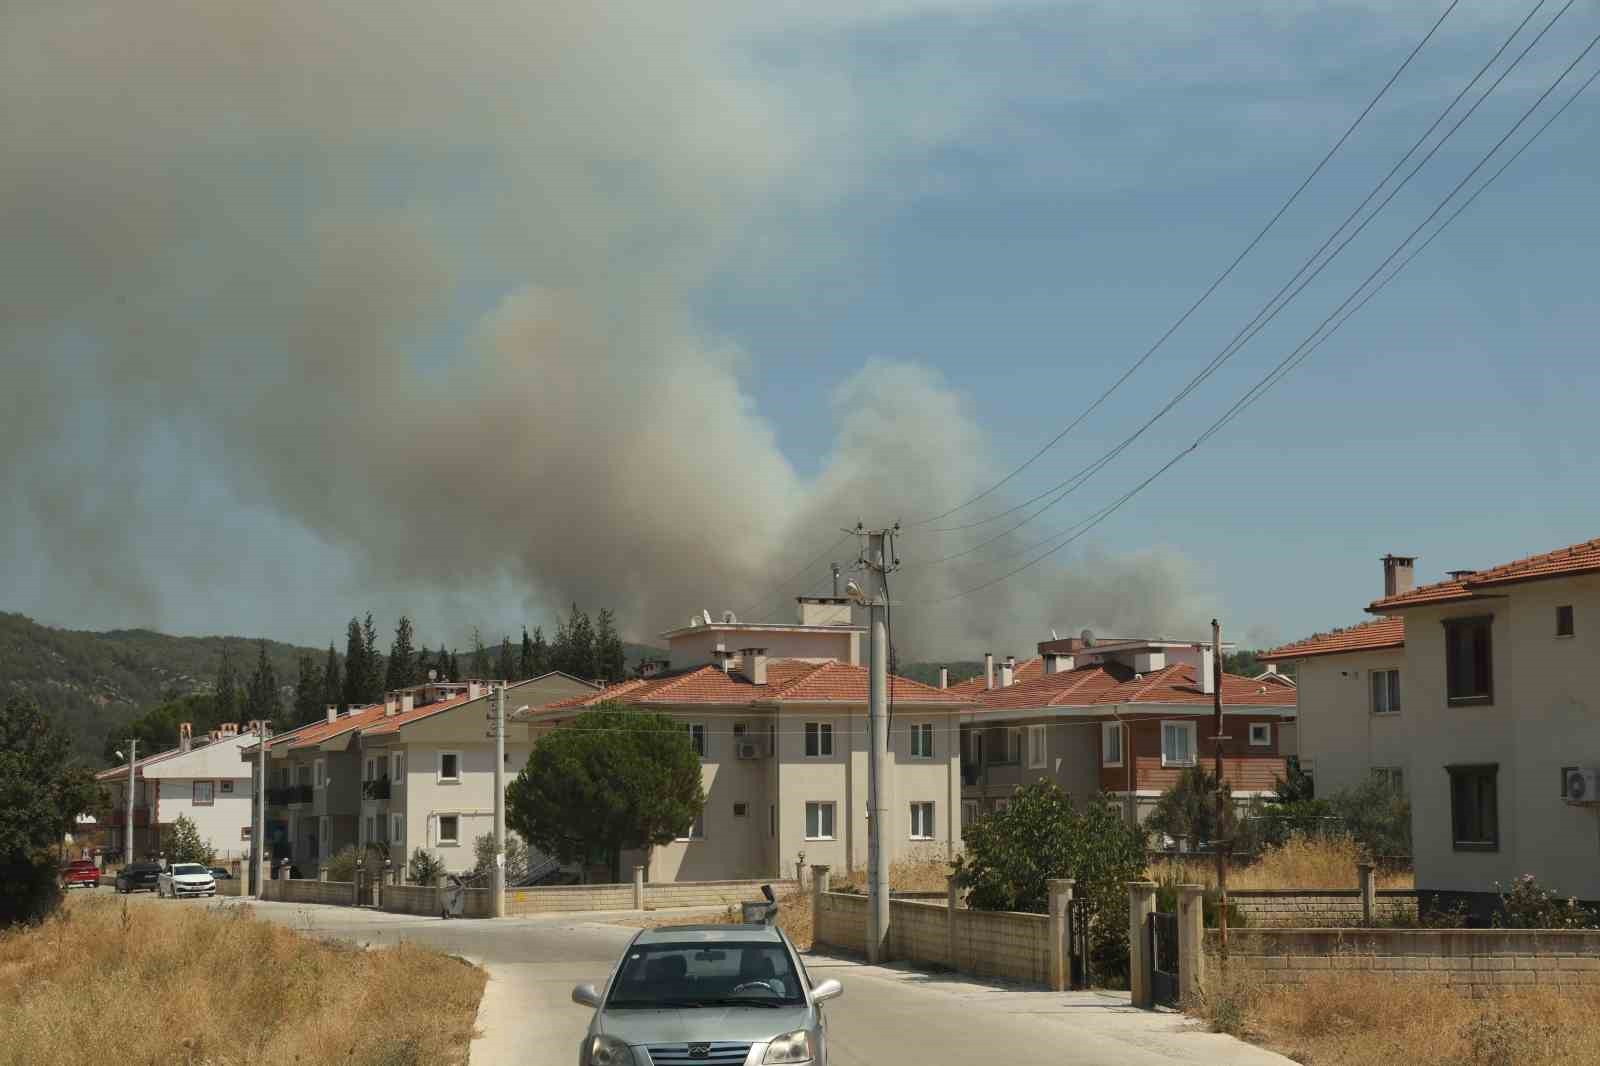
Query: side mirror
{"points": [[586, 995], [829, 989]]}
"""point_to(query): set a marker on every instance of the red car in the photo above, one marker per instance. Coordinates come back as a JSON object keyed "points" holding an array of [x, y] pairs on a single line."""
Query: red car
{"points": [[82, 872]]}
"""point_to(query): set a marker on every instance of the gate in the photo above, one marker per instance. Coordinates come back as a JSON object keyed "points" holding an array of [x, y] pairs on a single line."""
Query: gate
{"points": [[1078, 943], [1162, 945]]}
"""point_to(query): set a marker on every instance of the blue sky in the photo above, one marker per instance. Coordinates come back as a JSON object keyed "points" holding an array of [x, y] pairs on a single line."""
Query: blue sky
{"points": [[337, 310]]}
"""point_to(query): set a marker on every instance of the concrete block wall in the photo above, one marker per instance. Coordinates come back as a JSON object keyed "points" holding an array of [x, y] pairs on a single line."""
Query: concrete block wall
{"points": [[1475, 961], [1003, 944], [299, 890], [478, 903], [987, 943], [569, 898], [919, 932], [706, 893], [230, 886], [1300, 909], [840, 921], [410, 899]]}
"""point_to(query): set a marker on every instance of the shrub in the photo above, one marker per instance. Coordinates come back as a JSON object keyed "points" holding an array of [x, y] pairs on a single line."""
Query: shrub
{"points": [[1529, 905], [1376, 816], [516, 856], [182, 843], [425, 867], [1210, 904], [342, 865]]}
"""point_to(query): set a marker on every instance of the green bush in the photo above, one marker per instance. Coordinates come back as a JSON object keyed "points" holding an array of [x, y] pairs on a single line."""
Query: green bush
{"points": [[1210, 905], [425, 867], [342, 865], [1529, 905], [516, 856], [182, 843]]}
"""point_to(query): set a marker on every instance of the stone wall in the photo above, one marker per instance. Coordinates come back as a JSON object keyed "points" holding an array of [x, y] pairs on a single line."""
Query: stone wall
{"points": [[1003, 944], [556, 898], [411, 899], [299, 890], [987, 943], [1310, 909], [840, 920], [1473, 960], [231, 886], [658, 896]]}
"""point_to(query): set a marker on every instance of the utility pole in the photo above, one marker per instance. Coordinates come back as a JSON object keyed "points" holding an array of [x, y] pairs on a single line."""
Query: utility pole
{"points": [[258, 835], [876, 561], [1223, 845], [500, 800], [133, 759]]}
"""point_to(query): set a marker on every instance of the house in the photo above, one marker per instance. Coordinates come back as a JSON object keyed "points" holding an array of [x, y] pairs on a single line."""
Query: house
{"points": [[1475, 696], [783, 747], [400, 774], [1123, 717], [202, 780]]}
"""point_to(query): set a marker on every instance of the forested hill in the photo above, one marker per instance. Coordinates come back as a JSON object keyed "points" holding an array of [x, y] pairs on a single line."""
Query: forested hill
{"points": [[98, 682]]}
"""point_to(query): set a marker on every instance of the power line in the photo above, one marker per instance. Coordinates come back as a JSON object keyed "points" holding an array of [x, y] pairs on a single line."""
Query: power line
{"points": [[1312, 340], [1215, 284], [813, 561], [1268, 311]]}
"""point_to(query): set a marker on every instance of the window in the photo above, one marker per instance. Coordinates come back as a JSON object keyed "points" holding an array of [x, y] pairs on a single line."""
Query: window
{"points": [[1037, 755], [1385, 691], [372, 829], [922, 821], [396, 765], [1564, 620], [304, 775], [1393, 776], [225, 787], [819, 821], [819, 740], [740, 810], [738, 731], [203, 793], [1468, 676], [969, 812], [1177, 743], [1001, 804], [1474, 807], [370, 771], [922, 740], [449, 767], [1010, 745], [396, 829], [322, 773], [697, 829], [1111, 744], [697, 738], [449, 829], [1261, 734]]}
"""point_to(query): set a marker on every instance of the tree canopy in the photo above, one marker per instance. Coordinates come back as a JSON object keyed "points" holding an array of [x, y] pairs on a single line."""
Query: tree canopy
{"points": [[402, 656], [41, 795], [611, 781]]}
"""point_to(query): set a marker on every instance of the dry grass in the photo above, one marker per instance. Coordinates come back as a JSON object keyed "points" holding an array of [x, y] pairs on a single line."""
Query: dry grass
{"points": [[184, 984], [1300, 862], [916, 874], [1346, 1019]]}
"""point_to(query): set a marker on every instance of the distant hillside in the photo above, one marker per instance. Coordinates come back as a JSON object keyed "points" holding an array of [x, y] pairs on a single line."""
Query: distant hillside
{"points": [[928, 673]]}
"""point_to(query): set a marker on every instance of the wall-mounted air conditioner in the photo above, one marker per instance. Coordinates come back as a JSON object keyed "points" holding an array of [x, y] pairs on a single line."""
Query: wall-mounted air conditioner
{"points": [[750, 749], [1583, 785]]}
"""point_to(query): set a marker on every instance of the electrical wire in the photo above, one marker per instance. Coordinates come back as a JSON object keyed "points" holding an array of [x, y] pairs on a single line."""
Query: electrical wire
{"points": [[1215, 284], [813, 561], [1316, 338]]}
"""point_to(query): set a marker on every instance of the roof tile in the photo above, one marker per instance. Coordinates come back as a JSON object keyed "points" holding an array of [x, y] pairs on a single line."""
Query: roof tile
{"points": [[1582, 558], [1367, 636]]}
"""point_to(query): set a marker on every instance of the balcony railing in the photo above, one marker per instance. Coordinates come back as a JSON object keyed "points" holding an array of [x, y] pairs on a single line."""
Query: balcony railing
{"points": [[376, 789], [284, 795]]}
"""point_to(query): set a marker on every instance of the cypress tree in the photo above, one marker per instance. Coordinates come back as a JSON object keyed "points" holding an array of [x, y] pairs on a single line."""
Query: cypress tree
{"points": [[355, 668], [525, 667], [479, 665], [580, 650], [505, 666], [262, 699], [332, 684], [455, 667], [308, 691], [541, 653], [608, 652], [227, 699], [445, 665], [372, 659], [402, 657]]}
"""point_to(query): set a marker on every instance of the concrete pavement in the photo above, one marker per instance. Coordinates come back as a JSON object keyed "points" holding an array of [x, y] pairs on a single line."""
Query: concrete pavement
{"points": [[888, 1014]]}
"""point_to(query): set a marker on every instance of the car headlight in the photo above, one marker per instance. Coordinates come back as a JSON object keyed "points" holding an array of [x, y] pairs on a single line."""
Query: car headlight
{"points": [[790, 1047], [602, 1050]]}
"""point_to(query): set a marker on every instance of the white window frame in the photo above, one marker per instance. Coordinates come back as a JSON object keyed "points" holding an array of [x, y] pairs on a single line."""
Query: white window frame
{"points": [[1001, 803], [926, 810], [824, 731], [697, 830], [1013, 752], [194, 793], [1391, 703], [1265, 736], [319, 774], [449, 842], [396, 764], [1038, 759], [1110, 733], [922, 740], [697, 738], [397, 828], [1393, 776], [969, 812], [1166, 759], [439, 769], [833, 825], [371, 768]]}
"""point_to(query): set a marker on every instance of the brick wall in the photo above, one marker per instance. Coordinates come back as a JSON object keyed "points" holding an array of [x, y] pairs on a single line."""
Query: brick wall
{"points": [[1299, 909], [707, 893], [299, 890], [569, 898], [987, 943], [1473, 960]]}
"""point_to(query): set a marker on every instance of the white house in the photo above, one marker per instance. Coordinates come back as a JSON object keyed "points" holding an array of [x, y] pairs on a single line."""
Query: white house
{"points": [[203, 780]]}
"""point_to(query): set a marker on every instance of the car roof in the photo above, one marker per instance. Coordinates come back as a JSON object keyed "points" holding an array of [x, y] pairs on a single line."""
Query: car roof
{"points": [[709, 934]]}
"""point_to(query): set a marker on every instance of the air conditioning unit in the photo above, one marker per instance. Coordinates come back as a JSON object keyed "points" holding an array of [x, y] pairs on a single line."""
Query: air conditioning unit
{"points": [[1583, 785], [748, 749]]}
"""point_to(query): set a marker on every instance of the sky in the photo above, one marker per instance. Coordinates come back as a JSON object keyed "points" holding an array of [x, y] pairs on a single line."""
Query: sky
{"points": [[472, 314]]}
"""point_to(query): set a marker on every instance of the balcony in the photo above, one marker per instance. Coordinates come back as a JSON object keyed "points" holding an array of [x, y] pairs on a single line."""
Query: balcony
{"points": [[376, 789], [971, 774], [288, 795]]}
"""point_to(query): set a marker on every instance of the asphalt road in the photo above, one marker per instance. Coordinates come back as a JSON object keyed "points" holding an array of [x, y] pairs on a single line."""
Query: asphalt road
{"points": [[888, 1015]]}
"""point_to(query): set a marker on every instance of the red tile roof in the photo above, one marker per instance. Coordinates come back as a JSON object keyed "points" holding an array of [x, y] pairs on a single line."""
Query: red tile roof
{"points": [[1027, 670], [788, 681], [1367, 636], [1581, 558], [1065, 689], [384, 726], [1115, 683]]}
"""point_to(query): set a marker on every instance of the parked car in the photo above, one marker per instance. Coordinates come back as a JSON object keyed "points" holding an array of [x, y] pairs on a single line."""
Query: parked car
{"points": [[186, 879], [221, 873], [709, 994], [80, 872], [138, 877]]}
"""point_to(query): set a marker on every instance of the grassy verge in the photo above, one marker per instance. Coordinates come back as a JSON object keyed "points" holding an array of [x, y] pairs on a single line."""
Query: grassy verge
{"points": [[1346, 1019], [1300, 862], [185, 984]]}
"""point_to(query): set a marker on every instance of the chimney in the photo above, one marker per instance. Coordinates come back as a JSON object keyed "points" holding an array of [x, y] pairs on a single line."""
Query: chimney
{"points": [[407, 702], [474, 689], [1205, 676], [1272, 668], [390, 703], [1056, 663], [944, 677], [1398, 574], [185, 736], [230, 729], [755, 665], [988, 669], [333, 713], [1457, 575], [1008, 671]]}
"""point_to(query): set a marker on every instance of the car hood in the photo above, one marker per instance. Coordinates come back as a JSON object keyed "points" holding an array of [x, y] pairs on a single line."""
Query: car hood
{"points": [[682, 1025], [191, 879]]}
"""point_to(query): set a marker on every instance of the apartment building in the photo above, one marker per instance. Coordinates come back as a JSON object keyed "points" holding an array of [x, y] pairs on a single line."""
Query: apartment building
{"points": [[201, 779], [1475, 695], [1121, 717], [783, 745]]}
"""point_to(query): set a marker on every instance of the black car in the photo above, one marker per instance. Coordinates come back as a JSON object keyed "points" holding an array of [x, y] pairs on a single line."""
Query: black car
{"points": [[138, 876], [219, 873]]}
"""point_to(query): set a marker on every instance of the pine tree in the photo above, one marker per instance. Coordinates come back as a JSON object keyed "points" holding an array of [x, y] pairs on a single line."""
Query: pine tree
{"points": [[355, 669], [479, 666], [445, 664], [455, 667], [541, 653], [575, 646], [505, 666], [227, 699], [372, 659], [609, 655], [525, 668], [308, 692], [424, 664], [332, 683], [402, 657], [262, 699]]}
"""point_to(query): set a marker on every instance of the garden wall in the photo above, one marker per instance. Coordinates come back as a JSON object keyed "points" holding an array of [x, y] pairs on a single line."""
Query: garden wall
{"points": [[987, 943], [1318, 908], [300, 890]]}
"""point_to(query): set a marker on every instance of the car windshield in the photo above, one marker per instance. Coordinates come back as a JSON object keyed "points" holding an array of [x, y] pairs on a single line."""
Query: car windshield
{"points": [[188, 868], [720, 974]]}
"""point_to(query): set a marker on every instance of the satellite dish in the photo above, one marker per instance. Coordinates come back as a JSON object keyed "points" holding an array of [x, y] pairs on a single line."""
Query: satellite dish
{"points": [[694, 620], [1088, 638], [729, 617], [853, 590]]}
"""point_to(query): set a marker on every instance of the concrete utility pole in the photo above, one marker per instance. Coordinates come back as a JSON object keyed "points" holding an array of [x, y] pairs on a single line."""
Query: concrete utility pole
{"points": [[258, 835], [876, 562], [500, 800], [133, 759], [1224, 845]]}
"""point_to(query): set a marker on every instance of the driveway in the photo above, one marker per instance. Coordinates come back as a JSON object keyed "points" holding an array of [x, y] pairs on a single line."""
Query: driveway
{"points": [[888, 1014]]}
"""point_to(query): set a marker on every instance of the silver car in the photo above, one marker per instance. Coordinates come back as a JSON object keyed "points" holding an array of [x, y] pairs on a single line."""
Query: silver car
{"points": [[707, 995]]}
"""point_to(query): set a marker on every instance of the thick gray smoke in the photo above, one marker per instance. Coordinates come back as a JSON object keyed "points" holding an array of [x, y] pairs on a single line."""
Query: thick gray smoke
{"points": [[307, 309]]}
